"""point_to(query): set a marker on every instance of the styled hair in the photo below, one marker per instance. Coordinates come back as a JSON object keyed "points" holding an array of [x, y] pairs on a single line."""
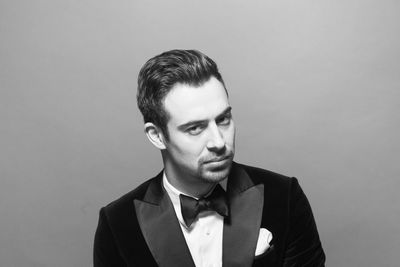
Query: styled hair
{"points": [[159, 74]]}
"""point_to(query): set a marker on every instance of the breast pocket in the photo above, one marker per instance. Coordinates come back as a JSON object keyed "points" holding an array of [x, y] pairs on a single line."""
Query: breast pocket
{"points": [[268, 258]]}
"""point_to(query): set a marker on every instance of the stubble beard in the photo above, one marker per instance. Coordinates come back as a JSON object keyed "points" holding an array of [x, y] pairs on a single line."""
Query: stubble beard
{"points": [[211, 174]]}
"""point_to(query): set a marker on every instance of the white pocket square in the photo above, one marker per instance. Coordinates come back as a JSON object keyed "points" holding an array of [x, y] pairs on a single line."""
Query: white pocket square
{"points": [[264, 241]]}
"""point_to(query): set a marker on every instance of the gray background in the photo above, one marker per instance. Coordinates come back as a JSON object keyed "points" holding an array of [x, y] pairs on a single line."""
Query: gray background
{"points": [[315, 91]]}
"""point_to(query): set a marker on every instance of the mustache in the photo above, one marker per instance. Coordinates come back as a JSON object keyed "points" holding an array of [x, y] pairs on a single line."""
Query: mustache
{"points": [[216, 158]]}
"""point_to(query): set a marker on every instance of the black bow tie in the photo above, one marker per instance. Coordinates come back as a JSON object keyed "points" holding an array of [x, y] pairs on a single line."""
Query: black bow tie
{"points": [[216, 201]]}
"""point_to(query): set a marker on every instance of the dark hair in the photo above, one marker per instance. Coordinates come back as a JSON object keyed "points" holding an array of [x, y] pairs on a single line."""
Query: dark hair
{"points": [[162, 72]]}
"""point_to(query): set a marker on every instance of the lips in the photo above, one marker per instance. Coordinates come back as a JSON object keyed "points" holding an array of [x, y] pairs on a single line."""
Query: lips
{"points": [[218, 159]]}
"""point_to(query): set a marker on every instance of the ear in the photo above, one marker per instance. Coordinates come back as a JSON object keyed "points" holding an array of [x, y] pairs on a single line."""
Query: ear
{"points": [[155, 135]]}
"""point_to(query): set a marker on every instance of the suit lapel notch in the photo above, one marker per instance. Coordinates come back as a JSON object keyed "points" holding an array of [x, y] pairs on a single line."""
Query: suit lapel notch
{"points": [[239, 181]]}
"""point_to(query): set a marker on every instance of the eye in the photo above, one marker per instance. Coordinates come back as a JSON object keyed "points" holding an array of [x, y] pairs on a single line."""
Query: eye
{"points": [[224, 120], [195, 130]]}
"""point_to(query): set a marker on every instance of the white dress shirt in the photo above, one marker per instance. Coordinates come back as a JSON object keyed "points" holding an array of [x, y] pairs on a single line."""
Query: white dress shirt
{"points": [[204, 236]]}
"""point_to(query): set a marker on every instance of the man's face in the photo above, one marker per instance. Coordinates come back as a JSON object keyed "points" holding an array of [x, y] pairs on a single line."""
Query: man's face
{"points": [[201, 131]]}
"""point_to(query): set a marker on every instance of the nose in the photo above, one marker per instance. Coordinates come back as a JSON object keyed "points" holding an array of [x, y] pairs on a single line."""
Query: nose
{"points": [[216, 142]]}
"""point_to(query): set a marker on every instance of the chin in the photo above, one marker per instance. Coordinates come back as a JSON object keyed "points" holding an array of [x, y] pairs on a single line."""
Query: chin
{"points": [[215, 175]]}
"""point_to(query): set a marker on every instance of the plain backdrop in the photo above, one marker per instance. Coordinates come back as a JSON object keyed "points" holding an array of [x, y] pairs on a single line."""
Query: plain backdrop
{"points": [[315, 90]]}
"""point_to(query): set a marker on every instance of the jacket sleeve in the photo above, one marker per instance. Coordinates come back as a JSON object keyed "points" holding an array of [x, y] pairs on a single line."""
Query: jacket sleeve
{"points": [[105, 251], [304, 246]]}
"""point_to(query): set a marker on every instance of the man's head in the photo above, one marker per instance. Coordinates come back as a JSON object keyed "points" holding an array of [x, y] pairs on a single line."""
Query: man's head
{"points": [[162, 72], [188, 117]]}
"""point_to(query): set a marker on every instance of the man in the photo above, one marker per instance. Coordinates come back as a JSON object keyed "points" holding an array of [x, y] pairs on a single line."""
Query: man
{"points": [[203, 209]]}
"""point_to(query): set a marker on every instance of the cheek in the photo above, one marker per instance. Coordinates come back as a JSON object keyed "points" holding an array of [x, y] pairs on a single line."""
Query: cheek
{"points": [[230, 135], [189, 149], [197, 149]]}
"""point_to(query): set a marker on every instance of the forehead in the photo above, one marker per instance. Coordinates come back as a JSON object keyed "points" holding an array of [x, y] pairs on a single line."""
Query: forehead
{"points": [[187, 103]]}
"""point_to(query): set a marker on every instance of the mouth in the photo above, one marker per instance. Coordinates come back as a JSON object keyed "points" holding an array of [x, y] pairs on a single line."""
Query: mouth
{"points": [[219, 159]]}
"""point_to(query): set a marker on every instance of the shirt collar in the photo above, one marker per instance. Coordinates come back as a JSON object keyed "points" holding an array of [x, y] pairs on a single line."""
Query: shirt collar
{"points": [[174, 193]]}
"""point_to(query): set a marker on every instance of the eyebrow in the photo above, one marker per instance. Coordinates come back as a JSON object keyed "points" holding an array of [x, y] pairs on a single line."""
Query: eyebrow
{"points": [[197, 122]]}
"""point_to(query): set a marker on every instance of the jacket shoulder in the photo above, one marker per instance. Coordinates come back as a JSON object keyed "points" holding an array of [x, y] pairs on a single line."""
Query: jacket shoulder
{"points": [[127, 199], [269, 178], [118, 239]]}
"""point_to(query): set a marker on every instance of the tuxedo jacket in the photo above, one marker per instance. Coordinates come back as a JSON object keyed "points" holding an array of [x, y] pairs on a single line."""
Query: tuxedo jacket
{"points": [[141, 227]]}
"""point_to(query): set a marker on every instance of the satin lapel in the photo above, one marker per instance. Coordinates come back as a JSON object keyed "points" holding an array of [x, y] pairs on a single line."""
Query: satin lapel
{"points": [[241, 229], [161, 229]]}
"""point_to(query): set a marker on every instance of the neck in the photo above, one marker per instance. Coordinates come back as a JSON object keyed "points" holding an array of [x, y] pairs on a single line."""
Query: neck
{"points": [[191, 189], [192, 186]]}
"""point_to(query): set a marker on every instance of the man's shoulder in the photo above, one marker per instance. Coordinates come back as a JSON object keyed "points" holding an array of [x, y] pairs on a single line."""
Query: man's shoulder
{"points": [[127, 199], [278, 186], [266, 177]]}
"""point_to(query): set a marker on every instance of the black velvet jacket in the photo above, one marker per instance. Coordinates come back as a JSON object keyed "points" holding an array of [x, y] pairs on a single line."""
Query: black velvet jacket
{"points": [[141, 228]]}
